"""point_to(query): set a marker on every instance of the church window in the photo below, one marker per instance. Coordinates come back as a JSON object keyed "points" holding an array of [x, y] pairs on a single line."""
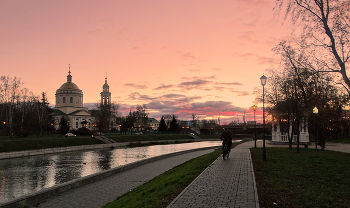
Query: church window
{"points": [[76, 124], [71, 99], [64, 99]]}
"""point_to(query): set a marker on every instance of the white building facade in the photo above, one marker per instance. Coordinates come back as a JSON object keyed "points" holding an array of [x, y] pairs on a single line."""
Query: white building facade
{"points": [[279, 137], [153, 124], [69, 104]]}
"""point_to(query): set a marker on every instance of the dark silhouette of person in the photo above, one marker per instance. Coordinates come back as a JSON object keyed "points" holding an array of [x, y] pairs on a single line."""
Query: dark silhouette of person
{"points": [[226, 136]]}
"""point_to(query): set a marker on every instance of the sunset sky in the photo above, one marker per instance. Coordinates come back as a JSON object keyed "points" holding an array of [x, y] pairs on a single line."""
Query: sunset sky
{"points": [[176, 56]]}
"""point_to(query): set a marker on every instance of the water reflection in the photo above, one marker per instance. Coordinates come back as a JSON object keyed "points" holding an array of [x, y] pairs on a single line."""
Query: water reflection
{"points": [[20, 176]]}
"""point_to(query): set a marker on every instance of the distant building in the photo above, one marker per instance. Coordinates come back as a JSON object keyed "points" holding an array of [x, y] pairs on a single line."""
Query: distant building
{"points": [[186, 124], [251, 122], [153, 123], [69, 103], [280, 134], [105, 94], [106, 100]]}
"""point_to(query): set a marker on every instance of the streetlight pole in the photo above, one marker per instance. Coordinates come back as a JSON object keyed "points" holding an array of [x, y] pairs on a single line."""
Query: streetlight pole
{"points": [[263, 79], [315, 111], [254, 108]]}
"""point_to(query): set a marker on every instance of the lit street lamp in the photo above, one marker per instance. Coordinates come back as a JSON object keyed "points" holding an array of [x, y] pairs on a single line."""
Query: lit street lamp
{"points": [[4, 126], [315, 111], [254, 108], [263, 79]]}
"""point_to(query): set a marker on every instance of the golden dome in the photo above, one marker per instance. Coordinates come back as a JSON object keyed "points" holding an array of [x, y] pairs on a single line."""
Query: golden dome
{"points": [[69, 86]]}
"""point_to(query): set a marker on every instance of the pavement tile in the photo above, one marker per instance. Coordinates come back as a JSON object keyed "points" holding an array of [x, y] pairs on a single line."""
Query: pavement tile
{"points": [[230, 182]]}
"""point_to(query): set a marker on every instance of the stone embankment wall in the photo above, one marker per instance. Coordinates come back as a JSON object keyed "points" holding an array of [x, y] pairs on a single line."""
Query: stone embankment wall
{"points": [[27, 153]]}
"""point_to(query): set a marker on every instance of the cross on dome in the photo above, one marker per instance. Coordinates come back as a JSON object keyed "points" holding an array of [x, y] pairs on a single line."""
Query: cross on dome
{"points": [[69, 77]]}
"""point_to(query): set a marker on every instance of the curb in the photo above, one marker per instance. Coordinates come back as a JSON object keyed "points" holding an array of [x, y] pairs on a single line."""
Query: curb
{"points": [[188, 186], [257, 205], [28, 153], [32, 198]]}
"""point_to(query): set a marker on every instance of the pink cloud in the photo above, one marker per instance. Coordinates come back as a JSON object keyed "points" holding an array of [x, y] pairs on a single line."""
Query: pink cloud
{"points": [[136, 86]]}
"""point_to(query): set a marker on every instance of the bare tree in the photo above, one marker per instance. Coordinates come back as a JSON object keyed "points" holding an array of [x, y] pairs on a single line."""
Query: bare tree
{"points": [[194, 116], [325, 34], [103, 115], [43, 112], [141, 116], [25, 104], [9, 95], [296, 89], [167, 118]]}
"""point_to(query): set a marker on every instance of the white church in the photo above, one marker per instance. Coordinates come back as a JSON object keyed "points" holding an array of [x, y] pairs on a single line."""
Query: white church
{"points": [[69, 103]]}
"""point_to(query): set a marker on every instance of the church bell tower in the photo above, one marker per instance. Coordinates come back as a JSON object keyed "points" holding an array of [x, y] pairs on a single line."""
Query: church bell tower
{"points": [[105, 94]]}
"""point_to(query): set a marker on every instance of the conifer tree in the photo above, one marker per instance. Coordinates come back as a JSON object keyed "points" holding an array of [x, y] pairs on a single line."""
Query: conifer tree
{"points": [[162, 125]]}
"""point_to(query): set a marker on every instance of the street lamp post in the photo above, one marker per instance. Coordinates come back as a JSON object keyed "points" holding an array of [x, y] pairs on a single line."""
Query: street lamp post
{"points": [[254, 108], [263, 79], [315, 111], [4, 126]]}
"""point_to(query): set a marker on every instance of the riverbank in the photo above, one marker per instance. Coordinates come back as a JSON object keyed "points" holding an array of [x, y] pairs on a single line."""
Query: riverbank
{"points": [[12, 144], [15, 144], [27, 153]]}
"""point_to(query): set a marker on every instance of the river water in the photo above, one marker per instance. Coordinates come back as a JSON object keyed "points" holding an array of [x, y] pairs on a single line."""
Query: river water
{"points": [[21, 176]]}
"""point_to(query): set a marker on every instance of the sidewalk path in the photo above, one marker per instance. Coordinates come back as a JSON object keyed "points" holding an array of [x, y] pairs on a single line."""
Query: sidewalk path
{"points": [[225, 183], [339, 147], [101, 192]]}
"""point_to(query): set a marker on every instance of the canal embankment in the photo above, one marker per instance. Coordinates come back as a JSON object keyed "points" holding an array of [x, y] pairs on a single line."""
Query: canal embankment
{"points": [[28, 153]]}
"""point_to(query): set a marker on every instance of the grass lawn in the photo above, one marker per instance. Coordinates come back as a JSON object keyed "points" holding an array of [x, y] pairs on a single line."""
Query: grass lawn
{"points": [[9, 144], [160, 191], [312, 178]]}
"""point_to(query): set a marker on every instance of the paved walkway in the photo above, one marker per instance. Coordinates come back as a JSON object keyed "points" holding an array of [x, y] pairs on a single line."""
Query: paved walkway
{"points": [[225, 183], [339, 147], [101, 192]]}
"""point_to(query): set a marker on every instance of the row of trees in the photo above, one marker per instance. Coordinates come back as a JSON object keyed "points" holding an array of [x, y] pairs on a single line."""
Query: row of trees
{"points": [[104, 114], [135, 119], [169, 123], [21, 112], [295, 91]]}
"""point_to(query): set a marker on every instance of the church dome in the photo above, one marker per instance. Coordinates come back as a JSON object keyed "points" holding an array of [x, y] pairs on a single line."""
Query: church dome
{"points": [[69, 86], [69, 94], [105, 86]]}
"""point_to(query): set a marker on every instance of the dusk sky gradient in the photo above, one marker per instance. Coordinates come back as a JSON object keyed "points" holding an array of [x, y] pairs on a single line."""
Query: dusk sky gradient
{"points": [[176, 56]]}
